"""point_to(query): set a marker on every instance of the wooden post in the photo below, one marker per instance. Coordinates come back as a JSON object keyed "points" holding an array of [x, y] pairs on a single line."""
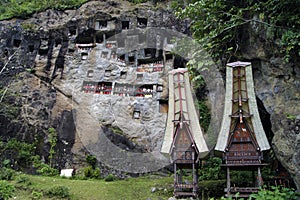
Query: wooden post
{"points": [[228, 181], [194, 174], [175, 177], [259, 181]]}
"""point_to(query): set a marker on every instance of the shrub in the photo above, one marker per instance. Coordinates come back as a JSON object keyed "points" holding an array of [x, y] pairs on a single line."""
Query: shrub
{"points": [[36, 195], [211, 169], [6, 174], [276, 193], [91, 160], [210, 188], [59, 191], [23, 180], [46, 170], [90, 172], [110, 177], [6, 190]]}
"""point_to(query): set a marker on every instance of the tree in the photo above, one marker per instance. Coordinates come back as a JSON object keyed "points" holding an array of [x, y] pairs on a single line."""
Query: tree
{"points": [[217, 24]]}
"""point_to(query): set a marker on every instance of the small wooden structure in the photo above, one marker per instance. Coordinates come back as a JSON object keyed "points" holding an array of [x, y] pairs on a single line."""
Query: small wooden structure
{"points": [[242, 138], [183, 136]]}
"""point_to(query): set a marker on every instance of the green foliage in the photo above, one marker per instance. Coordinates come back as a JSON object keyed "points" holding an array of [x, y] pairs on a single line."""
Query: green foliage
{"points": [[52, 135], [29, 27], [6, 190], [110, 177], [211, 169], [59, 192], [9, 104], [17, 153], [6, 163], [43, 168], [23, 180], [37, 195], [25, 8], [47, 170], [291, 117], [6, 173], [91, 160], [204, 114], [211, 188], [91, 172], [218, 24], [276, 193]]}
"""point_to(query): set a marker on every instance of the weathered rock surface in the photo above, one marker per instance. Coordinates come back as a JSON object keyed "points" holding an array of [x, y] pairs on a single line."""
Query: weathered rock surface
{"points": [[278, 92], [55, 53], [51, 69]]}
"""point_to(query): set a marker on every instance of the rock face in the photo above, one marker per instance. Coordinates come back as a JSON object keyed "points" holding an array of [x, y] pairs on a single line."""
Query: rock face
{"points": [[278, 92], [67, 71], [104, 95]]}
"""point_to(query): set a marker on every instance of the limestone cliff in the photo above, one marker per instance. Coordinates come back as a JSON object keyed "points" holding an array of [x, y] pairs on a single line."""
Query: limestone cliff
{"points": [[59, 69]]}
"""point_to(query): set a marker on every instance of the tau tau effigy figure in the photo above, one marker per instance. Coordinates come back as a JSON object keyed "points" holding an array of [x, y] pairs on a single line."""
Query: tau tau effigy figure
{"points": [[242, 139], [183, 139]]}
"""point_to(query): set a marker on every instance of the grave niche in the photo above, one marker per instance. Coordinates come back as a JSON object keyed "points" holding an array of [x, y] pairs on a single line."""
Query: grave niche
{"points": [[169, 57], [31, 48], [104, 54], [43, 51], [107, 73], [139, 77], [123, 75], [150, 65], [163, 105], [113, 55], [84, 55], [99, 37], [159, 88], [89, 86], [104, 88], [100, 25], [121, 58], [179, 62], [17, 42], [123, 89], [72, 30], [136, 113], [142, 22], [125, 25], [144, 91], [90, 73], [150, 52], [131, 59]]}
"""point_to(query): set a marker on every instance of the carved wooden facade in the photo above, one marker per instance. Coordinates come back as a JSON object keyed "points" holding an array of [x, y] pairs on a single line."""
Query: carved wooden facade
{"points": [[242, 139], [183, 136]]}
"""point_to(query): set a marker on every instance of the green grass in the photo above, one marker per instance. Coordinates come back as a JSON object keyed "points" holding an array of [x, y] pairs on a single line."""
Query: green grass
{"points": [[132, 188]]}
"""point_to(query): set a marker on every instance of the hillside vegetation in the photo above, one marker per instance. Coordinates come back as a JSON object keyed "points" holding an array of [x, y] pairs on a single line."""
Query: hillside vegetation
{"points": [[25, 8]]}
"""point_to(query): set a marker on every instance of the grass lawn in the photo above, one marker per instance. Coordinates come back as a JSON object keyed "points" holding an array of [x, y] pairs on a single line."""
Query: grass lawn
{"points": [[131, 189]]}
